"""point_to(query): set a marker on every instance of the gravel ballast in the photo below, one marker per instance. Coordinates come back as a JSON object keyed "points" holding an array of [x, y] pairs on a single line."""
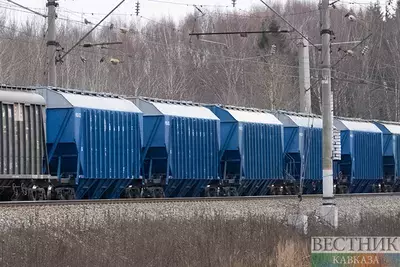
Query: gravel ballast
{"points": [[97, 214]]}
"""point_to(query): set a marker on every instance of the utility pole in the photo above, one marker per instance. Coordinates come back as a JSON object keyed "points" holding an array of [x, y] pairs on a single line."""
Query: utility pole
{"points": [[51, 43], [304, 76], [329, 212], [397, 101]]}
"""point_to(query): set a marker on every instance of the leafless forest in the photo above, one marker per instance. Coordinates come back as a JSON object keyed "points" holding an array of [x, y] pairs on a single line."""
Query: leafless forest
{"points": [[159, 59]]}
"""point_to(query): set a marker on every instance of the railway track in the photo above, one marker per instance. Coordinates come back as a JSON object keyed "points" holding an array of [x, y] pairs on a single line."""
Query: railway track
{"points": [[163, 200]]}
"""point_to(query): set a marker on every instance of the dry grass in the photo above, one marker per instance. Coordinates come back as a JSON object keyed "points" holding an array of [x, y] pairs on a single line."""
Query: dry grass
{"points": [[251, 241]]}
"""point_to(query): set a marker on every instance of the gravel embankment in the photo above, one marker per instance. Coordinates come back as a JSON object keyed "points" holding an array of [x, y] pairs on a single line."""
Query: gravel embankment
{"points": [[91, 215]]}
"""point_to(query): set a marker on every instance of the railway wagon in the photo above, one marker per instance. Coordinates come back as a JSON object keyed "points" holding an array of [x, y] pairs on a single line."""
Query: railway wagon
{"points": [[181, 144], [302, 151], [391, 156], [94, 143], [251, 155], [361, 166], [22, 145]]}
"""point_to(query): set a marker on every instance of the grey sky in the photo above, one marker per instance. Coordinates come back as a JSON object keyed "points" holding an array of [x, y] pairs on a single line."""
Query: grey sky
{"points": [[80, 9], [148, 8]]}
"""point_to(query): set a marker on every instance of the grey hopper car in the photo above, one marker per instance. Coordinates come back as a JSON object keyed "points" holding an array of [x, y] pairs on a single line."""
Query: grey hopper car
{"points": [[22, 146]]}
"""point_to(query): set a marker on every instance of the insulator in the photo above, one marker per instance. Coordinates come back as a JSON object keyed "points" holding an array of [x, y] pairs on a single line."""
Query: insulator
{"points": [[115, 61], [364, 50], [137, 8], [124, 30], [352, 18], [349, 52], [233, 3]]}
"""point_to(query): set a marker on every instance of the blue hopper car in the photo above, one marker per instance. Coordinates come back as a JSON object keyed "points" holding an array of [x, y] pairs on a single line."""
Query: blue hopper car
{"points": [[303, 151], [251, 155], [391, 156], [181, 144], [94, 143], [71, 144], [361, 166]]}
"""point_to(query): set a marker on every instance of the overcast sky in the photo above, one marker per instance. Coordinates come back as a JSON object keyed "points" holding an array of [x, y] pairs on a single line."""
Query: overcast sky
{"points": [[148, 8], [79, 9]]}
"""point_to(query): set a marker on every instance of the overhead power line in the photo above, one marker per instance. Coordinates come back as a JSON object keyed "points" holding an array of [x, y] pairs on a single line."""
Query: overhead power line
{"points": [[91, 30], [19, 31], [100, 44], [355, 3], [34, 41], [162, 24], [301, 13], [357, 45], [108, 27], [364, 81], [337, 62], [2, 5], [27, 8], [66, 10], [184, 4], [241, 33], [288, 23]]}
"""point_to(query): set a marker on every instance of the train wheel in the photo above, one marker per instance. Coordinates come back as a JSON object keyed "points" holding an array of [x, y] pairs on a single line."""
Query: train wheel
{"points": [[31, 195], [71, 195], [133, 192], [211, 192], [224, 192], [136, 192], [148, 192], [60, 196], [387, 189], [51, 194], [16, 193], [159, 192], [40, 194], [36, 194]]}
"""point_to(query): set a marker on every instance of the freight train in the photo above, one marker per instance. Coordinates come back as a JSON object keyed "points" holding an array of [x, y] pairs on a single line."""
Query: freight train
{"points": [[69, 144]]}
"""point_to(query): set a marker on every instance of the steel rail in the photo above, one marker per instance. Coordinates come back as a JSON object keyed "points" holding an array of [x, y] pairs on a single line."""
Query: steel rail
{"points": [[177, 200]]}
